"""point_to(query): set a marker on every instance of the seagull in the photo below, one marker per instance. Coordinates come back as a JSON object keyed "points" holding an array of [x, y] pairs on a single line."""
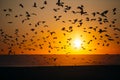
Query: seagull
{"points": [[114, 11], [35, 5], [45, 2], [27, 14], [10, 22], [104, 13], [94, 14], [56, 9], [100, 31], [7, 14], [42, 7], [10, 10], [21, 5], [59, 3], [4, 10]]}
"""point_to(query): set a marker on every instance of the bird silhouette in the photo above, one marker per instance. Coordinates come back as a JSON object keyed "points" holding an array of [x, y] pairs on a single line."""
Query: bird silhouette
{"points": [[10, 10], [59, 3], [101, 31], [10, 22], [35, 5], [42, 7], [4, 10], [103, 14], [94, 14], [21, 5], [27, 14], [45, 2], [56, 9], [114, 11]]}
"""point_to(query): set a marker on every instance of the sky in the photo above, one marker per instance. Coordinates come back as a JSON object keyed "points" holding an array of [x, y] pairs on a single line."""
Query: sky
{"points": [[65, 27]]}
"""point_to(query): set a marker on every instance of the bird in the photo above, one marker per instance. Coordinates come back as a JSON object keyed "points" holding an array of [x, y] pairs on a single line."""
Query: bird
{"points": [[35, 5], [52, 32], [87, 19], [10, 22], [32, 29], [59, 3], [94, 14], [67, 8], [34, 14], [45, 2], [4, 10], [10, 10], [27, 14], [89, 42], [7, 14], [16, 16], [82, 10], [56, 9], [42, 7], [117, 29], [21, 5], [110, 39], [107, 35], [63, 29], [101, 31], [57, 17], [107, 44], [74, 12], [103, 14], [114, 11]]}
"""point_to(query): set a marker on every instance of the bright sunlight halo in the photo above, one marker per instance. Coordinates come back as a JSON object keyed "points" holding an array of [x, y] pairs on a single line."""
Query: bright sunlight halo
{"points": [[77, 43]]}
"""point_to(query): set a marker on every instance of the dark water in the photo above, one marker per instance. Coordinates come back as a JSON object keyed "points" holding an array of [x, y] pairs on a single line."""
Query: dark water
{"points": [[60, 67], [94, 72], [58, 60]]}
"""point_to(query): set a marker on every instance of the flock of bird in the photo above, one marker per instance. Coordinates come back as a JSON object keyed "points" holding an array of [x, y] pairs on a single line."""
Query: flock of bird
{"points": [[30, 41]]}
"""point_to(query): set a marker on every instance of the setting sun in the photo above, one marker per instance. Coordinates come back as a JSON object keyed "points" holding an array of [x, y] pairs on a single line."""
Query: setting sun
{"points": [[77, 43]]}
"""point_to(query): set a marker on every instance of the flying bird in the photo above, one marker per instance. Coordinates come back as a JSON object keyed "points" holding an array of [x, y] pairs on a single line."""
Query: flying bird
{"points": [[104, 13], [21, 5], [45, 2], [35, 5]]}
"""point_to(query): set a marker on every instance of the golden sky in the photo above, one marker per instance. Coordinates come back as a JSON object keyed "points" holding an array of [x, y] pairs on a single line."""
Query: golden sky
{"points": [[59, 27]]}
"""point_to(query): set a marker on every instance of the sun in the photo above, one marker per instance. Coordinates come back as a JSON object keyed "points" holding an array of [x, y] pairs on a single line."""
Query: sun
{"points": [[77, 43]]}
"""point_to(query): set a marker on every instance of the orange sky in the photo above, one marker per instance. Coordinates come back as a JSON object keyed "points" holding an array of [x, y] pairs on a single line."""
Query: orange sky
{"points": [[43, 33]]}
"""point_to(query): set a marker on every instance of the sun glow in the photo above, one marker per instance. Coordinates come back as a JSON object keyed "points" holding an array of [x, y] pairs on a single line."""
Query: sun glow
{"points": [[77, 43]]}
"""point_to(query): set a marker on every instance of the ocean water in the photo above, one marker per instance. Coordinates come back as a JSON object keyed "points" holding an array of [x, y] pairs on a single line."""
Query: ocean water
{"points": [[60, 67], [58, 60]]}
